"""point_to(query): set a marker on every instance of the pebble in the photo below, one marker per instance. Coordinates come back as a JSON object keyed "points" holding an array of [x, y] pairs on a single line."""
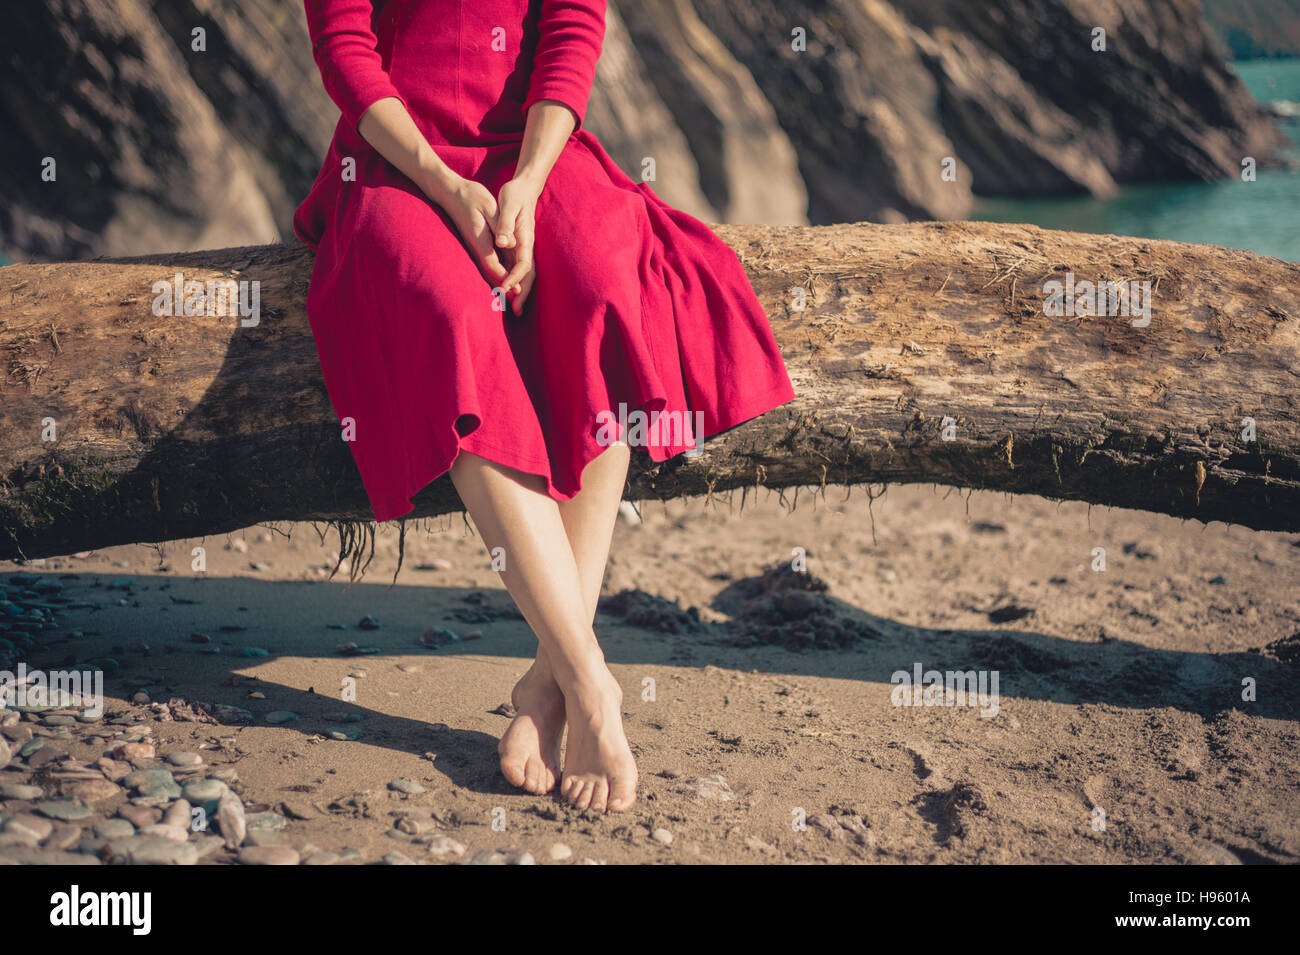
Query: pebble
{"points": [[64, 837], [275, 717], [396, 858], [26, 824], [254, 652], [298, 809], [559, 852], [59, 719], [442, 845], [322, 858], [185, 760], [19, 855], [708, 787], [369, 622], [268, 855], [18, 732], [178, 815], [662, 836], [46, 754], [231, 821], [174, 833], [152, 782], [140, 816], [407, 786], [206, 845], [151, 850], [67, 810], [130, 751], [114, 769], [344, 733], [204, 790], [96, 790], [114, 829], [20, 791], [272, 821]]}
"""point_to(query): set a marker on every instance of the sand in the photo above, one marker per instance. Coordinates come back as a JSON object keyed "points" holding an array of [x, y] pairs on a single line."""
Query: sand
{"points": [[758, 698]]}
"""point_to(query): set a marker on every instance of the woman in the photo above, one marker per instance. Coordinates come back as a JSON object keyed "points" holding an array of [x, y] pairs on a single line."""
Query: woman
{"points": [[489, 291]]}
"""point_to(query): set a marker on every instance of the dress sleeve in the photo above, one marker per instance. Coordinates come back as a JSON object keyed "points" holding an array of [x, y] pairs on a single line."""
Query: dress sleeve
{"points": [[564, 65], [347, 53]]}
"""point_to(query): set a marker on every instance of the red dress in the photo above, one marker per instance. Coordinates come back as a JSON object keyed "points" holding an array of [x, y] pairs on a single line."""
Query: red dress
{"points": [[635, 306]]}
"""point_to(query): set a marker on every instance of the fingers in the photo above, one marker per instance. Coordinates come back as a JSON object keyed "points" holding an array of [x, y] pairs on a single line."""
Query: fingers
{"points": [[506, 219], [481, 241]]}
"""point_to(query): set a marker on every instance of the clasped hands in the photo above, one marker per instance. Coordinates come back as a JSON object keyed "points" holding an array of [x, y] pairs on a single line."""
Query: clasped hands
{"points": [[499, 232]]}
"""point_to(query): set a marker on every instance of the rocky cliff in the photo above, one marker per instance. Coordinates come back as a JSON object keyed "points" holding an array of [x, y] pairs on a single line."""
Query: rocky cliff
{"points": [[775, 111], [1256, 28]]}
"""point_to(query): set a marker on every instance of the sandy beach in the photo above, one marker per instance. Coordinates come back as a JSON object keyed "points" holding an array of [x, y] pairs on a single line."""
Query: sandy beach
{"points": [[755, 647]]}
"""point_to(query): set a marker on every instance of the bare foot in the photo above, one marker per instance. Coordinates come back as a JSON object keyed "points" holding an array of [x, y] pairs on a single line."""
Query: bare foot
{"points": [[599, 770], [530, 746]]}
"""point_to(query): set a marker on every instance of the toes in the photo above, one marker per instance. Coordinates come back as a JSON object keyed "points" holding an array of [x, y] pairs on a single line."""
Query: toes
{"points": [[622, 793], [599, 794], [514, 770], [582, 795]]}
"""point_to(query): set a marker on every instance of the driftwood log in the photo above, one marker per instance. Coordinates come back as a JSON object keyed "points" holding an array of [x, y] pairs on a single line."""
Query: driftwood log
{"points": [[117, 425]]}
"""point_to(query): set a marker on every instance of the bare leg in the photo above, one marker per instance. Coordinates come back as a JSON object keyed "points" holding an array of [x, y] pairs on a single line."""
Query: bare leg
{"points": [[557, 599]]}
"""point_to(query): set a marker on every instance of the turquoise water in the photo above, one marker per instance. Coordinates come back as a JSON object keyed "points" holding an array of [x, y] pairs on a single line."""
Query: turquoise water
{"points": [[1261, 216]]}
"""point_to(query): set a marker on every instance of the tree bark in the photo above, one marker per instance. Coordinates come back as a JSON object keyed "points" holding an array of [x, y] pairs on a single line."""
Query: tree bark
{"points": [[117, 425]]}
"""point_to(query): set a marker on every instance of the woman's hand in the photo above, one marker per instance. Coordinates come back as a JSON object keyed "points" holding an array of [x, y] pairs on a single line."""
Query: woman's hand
{"points": [[516, 212], [473, 210]]}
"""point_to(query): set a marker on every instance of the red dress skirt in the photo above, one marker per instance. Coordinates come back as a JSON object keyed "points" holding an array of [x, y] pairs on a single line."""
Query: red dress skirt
{"points": [[636, 306]]}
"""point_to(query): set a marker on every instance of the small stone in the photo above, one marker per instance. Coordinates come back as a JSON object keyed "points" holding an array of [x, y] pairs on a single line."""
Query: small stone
{"points": [[113, 769], [559, 852], [369, 623], [67, 810], [255, 652], [151, 850], [59, 719], [266, 821], [114, 829], [406, 786], [174, 833], [662, 836], [26, 824], [343, 733], [185, 760], [204, 790], [396, 858], [207, 845], [152, 782], [177, 814], [231, 821], [20, 791], [64, 838], [298, 809], [140, 698], [708, 787], [519, 857], [322, 858], [276, 717], [487, 857], [20, 855], [140, 816], [129, 751], [96, 790]]}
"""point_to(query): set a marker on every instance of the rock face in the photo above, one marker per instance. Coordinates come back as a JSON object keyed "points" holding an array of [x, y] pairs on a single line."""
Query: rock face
{"points": [[183, 124], [1254, 28]]}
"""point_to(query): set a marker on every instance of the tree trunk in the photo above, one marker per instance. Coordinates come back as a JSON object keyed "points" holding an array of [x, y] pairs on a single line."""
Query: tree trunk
{"points": [[120, 426]]}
